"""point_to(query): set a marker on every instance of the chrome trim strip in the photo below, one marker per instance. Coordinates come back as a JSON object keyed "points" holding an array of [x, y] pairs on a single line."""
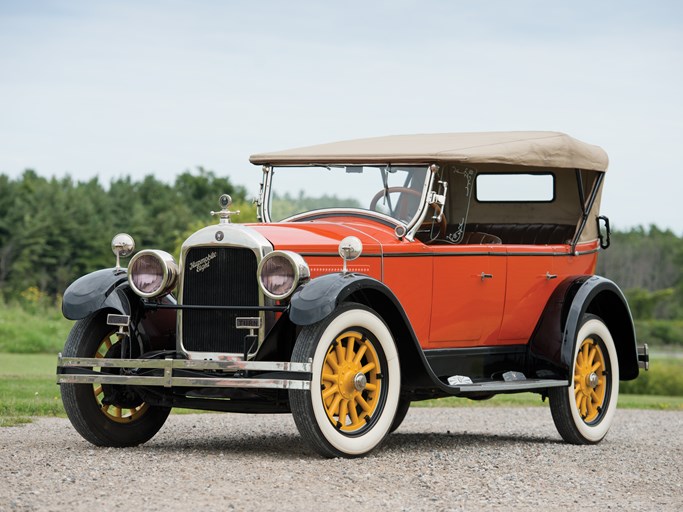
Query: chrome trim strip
{"points": [[314, 214], [168, 380], [188, 364], [510, 386], [421, 214], [485, 253], [201, 382]]}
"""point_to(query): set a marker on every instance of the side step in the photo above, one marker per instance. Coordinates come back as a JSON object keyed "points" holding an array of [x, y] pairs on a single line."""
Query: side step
{"points": [[500, 386]]}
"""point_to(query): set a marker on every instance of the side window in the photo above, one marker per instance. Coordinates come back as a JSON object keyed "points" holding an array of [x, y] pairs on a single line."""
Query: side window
{"points": [[515, 188]]}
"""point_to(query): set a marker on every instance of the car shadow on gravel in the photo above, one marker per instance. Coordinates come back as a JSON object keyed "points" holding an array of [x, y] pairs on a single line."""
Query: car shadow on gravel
{"points": [[456, 440], [292, 446], [280, 446]]}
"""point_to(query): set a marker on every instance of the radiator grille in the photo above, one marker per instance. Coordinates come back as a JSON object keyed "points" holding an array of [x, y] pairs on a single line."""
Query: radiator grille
{"points": [[229, 279]]}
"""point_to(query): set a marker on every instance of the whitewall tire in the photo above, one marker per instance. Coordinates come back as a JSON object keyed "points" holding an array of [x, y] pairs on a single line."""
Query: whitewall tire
{"points": [[584, 411], [355, 384]]}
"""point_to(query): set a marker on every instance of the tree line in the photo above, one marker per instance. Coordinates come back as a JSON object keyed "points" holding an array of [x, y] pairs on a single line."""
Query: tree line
{"points": [[55, 230]]}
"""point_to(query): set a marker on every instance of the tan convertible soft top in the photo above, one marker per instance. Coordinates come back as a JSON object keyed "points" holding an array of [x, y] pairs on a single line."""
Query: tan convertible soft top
{"points": [[533, 149]]}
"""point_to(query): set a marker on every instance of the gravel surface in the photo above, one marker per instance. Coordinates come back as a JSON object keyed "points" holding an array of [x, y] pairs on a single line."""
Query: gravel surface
{"points": [[439, 459]]}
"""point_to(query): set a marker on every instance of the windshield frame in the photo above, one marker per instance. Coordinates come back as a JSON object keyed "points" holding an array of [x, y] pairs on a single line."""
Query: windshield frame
{"points": [[265, 197]]}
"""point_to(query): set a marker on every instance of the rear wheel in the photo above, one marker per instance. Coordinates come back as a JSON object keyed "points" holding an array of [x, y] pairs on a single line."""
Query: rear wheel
{"points": [[584, 411], [355, 382], [103, 414]]}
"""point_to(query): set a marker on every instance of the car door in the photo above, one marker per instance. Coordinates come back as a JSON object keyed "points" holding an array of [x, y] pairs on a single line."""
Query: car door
{"points": [[468, 294]]}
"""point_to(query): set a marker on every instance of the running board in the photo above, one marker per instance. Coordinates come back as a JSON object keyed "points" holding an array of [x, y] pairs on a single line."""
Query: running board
{"points": [[499, 386]]}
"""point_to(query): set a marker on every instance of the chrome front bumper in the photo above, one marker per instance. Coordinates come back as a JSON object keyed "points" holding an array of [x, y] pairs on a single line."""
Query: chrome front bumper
{"points": [[85, 370]]}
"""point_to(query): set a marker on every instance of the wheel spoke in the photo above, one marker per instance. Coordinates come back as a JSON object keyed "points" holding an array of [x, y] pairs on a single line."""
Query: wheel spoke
{"points": [[352, 411], [343, 411], [331, 360], [591, 354], [328, 392], [371, 387], [330, 377], [349, 349], [367, 368], [361, 352], [340, 352], [364, 405], [334, 408]]}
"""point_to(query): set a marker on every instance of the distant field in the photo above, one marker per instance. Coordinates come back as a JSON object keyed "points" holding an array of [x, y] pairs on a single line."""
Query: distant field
{"points": [[32, 329], [27, 388]]}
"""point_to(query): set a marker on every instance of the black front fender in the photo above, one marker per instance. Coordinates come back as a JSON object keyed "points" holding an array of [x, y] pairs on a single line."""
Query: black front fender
{"points": [[94, 292], [318, 298]]}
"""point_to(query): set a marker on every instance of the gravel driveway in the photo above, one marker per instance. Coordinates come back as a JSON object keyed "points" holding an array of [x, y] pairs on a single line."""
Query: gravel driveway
{"points": [[439, 459]]}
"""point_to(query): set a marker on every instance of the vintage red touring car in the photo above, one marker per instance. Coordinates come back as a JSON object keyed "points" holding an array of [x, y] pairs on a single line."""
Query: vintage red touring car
{"points": [[411, 267]]}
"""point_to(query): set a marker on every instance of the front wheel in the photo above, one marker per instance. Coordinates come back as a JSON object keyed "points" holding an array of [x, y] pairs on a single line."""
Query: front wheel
{"points": [[584, 411], [103, 414], [355, 384]]}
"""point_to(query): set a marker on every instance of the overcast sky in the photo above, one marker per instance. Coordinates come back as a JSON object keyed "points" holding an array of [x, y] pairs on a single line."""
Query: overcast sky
{"points": [[120, 88]]}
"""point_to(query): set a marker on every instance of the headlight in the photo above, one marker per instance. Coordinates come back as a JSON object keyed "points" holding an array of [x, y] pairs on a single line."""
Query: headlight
{"points": [[280, 272], [152, 273]]}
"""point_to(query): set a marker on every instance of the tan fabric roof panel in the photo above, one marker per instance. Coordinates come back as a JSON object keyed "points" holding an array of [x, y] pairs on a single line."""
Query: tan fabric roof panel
{"points": [[537, 149]]}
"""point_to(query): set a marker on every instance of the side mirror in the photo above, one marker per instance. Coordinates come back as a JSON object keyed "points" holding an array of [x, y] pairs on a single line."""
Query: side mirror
{"points": [[349, 249], [603, 224]]}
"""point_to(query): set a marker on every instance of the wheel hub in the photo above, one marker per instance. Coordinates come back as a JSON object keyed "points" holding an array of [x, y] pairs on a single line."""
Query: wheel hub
{"points": [[592, 380], [360, 381]]}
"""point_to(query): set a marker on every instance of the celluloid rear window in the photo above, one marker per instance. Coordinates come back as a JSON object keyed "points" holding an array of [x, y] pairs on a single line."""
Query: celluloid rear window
{"points": [[517, 188]]}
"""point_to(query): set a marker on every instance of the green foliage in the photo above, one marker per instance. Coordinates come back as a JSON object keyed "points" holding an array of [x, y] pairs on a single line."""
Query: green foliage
{"points": [[55, 230], [660, 332], [287, 205], [665, 378], [649, 264], [32, 328]]}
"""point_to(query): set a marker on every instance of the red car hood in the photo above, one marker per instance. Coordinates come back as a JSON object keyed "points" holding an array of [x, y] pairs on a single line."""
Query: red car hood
{"points": [[317, 237]]}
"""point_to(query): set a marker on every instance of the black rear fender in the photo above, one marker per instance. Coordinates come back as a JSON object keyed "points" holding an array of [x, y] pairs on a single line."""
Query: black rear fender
{"points": [[554, 339]]}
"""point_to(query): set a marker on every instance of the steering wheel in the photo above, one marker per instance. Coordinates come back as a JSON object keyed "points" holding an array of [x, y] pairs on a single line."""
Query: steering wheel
{"points": [[427, 224]]}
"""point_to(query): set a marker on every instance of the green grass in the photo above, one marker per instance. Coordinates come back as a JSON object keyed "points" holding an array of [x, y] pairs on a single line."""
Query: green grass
{"points": [[674, 403], [32, 329], [28, 389]]}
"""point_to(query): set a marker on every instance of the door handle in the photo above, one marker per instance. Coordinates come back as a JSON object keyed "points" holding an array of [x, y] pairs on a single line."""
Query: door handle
{"points": [[484, 275], [550, 276]]}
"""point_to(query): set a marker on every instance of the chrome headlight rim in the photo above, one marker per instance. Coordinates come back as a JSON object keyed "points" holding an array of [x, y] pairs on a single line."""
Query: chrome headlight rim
{"points": [[299, 266], [169, 277]]}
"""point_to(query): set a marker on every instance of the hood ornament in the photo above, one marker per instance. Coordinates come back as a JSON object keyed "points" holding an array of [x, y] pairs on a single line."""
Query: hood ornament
{"points": [[224, 202]]}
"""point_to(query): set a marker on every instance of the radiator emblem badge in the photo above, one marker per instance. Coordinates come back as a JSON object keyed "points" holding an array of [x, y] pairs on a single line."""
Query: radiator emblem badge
{"points": [[202, 264]]}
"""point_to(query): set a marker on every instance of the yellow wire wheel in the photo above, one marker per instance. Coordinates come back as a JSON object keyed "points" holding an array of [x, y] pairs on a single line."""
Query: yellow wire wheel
{"points": [[583, 411], [590, 381], [123, 413], [355, 382], [123, 420], [351, 381]]}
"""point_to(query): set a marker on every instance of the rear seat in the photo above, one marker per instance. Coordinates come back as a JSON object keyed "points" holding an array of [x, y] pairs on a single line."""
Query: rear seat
{"points": [[531, 234]]}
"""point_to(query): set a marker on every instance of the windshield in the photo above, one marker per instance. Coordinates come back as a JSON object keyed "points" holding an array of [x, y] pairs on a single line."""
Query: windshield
{"points": [[392, 190]]}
